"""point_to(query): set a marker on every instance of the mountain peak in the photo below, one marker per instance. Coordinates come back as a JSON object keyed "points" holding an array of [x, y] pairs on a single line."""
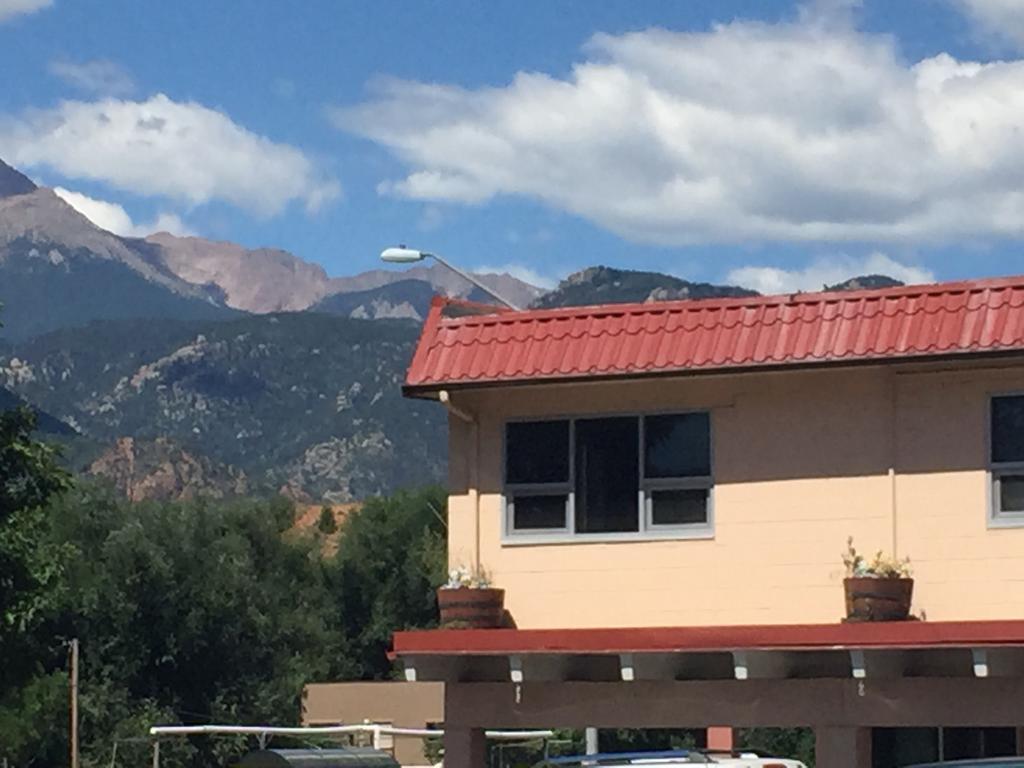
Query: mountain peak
{"points": [[13, 182]]}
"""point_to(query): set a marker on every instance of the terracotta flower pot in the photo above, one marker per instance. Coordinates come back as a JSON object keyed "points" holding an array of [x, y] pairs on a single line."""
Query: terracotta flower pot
{"points": [[470, 608], [873, 599]]}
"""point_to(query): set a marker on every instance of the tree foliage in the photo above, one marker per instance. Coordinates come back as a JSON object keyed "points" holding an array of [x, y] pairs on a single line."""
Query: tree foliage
{"points": [[198, 612], [29, 477], [391, 560]]}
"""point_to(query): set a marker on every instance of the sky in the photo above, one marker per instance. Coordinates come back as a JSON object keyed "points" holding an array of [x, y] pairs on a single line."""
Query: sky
{"points": [[779, 145]]}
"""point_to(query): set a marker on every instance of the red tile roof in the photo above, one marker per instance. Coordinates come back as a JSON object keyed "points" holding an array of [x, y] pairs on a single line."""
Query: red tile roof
{"points": [[882, 634], [465, 344]]}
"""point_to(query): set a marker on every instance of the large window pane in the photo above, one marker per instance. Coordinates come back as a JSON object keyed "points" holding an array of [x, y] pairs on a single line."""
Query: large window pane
{"points": [[607, 468], [537, 452], [683, 506], [677, 446], [1008, 428], [1011, 493], [538, 512]]}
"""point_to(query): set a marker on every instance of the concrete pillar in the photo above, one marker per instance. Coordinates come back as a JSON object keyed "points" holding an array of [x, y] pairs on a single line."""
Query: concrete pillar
{"points": [[719, 738], [464, 747], [842, 747]]}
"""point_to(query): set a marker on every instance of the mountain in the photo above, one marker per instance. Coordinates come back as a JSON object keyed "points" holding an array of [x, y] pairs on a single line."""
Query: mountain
{"points": [[865, 282], [264, 280], [605, 285], [58, 269], [400, 299], [161, 470], [255, 280], [14, 182], [442, 280], [304, 402]]}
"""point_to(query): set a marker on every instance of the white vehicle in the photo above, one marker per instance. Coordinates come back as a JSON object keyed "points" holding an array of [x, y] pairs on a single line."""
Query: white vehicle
{"points": [[682, 758]]}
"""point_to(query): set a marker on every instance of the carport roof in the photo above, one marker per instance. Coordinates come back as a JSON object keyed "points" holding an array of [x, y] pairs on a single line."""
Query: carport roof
{"points": [[809, 637], [884, 649]]}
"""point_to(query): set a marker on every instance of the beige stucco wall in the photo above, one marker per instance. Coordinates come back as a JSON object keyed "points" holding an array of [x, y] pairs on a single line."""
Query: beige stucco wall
{"points": [[895, 457], [402, 704]]}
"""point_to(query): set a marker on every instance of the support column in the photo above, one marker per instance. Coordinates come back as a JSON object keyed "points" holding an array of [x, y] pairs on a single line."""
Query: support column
{"points": [[464, 747], [842, 747]]}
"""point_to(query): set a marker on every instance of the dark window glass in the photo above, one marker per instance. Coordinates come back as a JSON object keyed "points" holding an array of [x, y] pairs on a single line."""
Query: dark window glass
{"points": [[538, 512], [970, 743], [607, 468], [1008, 428], [677, 445], [1011, 493], [537, 452], [683, 506]]}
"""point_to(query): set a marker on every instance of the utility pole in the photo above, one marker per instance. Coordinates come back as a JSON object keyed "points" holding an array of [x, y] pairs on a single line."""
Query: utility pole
{"points": [[74, 703]]}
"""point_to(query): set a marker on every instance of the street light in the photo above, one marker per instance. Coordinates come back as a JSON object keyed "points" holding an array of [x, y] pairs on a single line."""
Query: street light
{"points": [[403, 255]]}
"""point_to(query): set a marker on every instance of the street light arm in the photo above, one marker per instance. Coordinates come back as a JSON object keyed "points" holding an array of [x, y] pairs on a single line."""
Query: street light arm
{"points": [[473, 280]]}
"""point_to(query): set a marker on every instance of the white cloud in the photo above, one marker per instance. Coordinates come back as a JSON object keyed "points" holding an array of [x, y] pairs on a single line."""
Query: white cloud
{"points": [[801, 131], [825, 271], [11, 8], [1002, 19], [98, 76], [114, 218], [160, 147], [520, 272]]}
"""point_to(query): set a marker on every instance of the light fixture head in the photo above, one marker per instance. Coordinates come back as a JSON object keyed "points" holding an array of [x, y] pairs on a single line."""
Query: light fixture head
{"points": [[402, 255]]}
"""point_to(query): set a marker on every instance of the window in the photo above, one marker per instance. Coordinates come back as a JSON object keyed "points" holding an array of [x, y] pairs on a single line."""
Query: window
{"points": [[1007, 458], [609, 477], [537, 480]]}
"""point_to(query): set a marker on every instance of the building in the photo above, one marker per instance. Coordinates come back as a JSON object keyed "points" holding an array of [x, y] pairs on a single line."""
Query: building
{"points": [[664, 490], [416, 706]]}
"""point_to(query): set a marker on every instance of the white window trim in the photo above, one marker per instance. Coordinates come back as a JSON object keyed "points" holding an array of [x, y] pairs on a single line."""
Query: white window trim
{"points": [[646, 530], [997, 518]]}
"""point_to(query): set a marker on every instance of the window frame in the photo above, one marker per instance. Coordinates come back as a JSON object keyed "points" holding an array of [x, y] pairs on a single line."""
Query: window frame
{"points": [[511, 490], [646, 529], [997, 518]]}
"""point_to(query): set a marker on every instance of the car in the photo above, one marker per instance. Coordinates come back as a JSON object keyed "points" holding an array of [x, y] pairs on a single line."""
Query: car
{"points": [[681, 757], [986, 762]]}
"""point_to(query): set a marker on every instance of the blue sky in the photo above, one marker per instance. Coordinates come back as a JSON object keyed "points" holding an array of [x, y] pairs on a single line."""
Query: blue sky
{"points": [[777, 143]]}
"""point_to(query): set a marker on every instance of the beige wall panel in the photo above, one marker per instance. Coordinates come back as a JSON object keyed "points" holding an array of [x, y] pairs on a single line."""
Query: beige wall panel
{"points": [[801, 461]]}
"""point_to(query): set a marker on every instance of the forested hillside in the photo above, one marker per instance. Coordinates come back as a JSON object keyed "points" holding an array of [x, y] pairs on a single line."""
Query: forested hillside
{"points": [[304, 402]]}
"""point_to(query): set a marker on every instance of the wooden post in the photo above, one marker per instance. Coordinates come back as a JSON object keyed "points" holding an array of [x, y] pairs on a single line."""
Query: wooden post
{"points": [[74, 703], [842, 747], [156, 753], [464, 747]]}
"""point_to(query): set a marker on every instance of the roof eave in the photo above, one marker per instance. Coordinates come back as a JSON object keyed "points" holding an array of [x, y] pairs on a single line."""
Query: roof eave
{"points": [[430, 390]]}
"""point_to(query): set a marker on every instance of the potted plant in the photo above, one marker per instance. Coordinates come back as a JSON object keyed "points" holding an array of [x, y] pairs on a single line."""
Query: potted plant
{"points": [[877, 590], [468, 600]]}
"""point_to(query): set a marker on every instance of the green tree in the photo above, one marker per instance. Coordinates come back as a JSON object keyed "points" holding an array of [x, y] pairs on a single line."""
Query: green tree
{"points": [[30, 570], [29, 477], [391, 559], [191, 613]]}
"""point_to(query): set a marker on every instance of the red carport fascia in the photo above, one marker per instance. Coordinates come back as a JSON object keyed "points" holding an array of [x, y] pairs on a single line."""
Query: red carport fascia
{"points": [[806, 637]]}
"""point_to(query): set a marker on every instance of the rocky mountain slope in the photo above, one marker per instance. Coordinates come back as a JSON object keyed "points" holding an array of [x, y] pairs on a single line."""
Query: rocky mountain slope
{"points": [[255, 280], [308, 403], [58, 269], [264, 280], [162, 470]]}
